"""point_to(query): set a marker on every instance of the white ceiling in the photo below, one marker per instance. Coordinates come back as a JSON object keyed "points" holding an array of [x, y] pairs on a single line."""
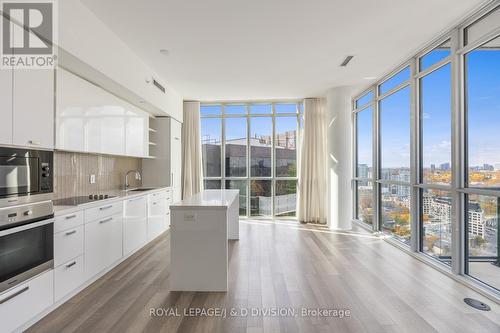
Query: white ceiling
{"points": [[267, 49]]}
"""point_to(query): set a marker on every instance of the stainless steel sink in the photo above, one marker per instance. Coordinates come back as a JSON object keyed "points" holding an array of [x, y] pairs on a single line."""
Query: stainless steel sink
{"points": [[142, 189]]}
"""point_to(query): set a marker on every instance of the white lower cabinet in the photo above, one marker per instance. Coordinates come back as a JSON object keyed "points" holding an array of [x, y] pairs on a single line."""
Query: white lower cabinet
{"points": [[68, 277], [68, 244], [86, 243], [68, 221], [158, 218], [170, 201], [135, 224], [103, 244], [25, 301]]}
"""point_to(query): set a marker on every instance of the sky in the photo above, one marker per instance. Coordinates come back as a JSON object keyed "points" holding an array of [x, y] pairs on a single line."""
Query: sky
{"points": [[483, 105], [483, 101]]}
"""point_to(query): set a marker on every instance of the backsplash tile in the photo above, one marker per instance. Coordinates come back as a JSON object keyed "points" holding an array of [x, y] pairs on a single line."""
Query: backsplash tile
{"points": [[72, 173]]}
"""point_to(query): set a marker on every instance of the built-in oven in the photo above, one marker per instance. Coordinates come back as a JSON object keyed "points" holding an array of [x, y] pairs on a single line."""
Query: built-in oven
{"points": [[26, 242], [25, 176], [26, 214]]}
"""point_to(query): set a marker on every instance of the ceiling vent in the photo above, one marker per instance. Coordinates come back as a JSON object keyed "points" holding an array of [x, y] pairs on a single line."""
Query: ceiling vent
{"points": [[346, 61], [159, 86]]}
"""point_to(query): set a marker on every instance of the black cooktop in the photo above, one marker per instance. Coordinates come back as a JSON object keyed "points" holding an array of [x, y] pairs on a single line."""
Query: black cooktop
{"points": [[76, 201]]}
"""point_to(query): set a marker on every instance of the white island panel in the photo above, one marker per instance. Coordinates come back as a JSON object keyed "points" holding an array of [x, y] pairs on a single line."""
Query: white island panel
{"points": [[201, 227]]}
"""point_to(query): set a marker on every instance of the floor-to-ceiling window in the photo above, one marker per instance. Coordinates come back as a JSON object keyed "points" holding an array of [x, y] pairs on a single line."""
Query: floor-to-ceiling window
{"points": [[364, 195], [482, 86], [395, 134], [435, 162], [427, 151], [253, 147]]}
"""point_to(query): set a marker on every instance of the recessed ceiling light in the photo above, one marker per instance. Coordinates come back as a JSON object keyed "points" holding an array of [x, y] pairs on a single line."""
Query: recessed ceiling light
{"points": [[164, 52], [369, 77]]}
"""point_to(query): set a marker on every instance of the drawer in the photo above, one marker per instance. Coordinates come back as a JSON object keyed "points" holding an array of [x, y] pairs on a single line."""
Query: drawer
{"points": [[68, 244], [158, 207], [157, 195], [68, 221], [106, 210], [68, 277], [23, 302], [135, 207]]}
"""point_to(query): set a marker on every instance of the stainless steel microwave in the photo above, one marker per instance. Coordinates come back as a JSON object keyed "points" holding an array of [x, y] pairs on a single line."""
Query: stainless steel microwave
{"points": [[25, 175]]}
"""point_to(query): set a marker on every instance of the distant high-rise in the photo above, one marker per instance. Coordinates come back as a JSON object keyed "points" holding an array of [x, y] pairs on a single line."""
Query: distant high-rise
{"points": [[476, 219], [488, 167], [445, 166], [363, 171]]}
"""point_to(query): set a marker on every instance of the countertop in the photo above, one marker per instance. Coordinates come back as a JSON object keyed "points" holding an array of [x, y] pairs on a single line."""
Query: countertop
{"points": [[208, 199], [118, 195]]}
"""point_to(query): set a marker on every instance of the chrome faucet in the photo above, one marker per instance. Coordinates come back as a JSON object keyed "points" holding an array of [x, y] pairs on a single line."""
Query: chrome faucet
{"points": [[137, 176]]}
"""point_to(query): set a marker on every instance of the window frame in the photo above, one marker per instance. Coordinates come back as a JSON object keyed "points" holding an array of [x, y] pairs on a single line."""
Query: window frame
{"points": [[458, 188], [249, 116]]}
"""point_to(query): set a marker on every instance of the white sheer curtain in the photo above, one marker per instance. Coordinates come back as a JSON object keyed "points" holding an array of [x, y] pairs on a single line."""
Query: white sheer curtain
{"points": [[192, 170], [312, 196]]}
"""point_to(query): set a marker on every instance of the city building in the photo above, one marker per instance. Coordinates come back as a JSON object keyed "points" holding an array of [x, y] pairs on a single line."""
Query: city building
{"points": [[476, 219]]}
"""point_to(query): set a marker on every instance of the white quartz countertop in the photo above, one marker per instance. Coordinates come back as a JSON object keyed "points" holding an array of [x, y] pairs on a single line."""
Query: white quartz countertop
{"points": [[208, 199], [118, 195]]}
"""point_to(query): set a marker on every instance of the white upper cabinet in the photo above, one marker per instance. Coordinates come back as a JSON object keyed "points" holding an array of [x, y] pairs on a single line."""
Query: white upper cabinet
{"points": [[33, 105], [83, 35], [27, 107], [6, 107], [89, 119], [137, 133]]}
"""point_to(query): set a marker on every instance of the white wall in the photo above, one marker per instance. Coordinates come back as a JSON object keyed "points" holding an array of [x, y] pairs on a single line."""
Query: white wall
{"points": [[339, 136]]}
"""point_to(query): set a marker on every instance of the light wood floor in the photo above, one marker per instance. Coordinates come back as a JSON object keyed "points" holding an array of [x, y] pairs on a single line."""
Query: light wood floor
{"points": [[282, 265]]}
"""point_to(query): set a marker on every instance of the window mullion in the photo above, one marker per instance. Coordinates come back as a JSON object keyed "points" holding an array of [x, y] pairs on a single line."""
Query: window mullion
{"points": [[458, 232]]}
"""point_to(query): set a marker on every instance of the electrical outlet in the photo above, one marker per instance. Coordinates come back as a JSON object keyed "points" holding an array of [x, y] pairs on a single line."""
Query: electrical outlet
{"points": [[92, 179]]}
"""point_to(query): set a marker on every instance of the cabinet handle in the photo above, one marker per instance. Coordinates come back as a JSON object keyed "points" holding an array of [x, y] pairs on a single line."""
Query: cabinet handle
{"points": [[69, 217], [106, 220], [34, 142], [17, 293], [134, 199], [71, 264], [171, 179], [71, 232], [105, 207]]}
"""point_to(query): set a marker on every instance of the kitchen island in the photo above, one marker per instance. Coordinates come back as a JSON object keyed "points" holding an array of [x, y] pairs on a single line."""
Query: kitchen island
{"points": [[200, 229]]}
